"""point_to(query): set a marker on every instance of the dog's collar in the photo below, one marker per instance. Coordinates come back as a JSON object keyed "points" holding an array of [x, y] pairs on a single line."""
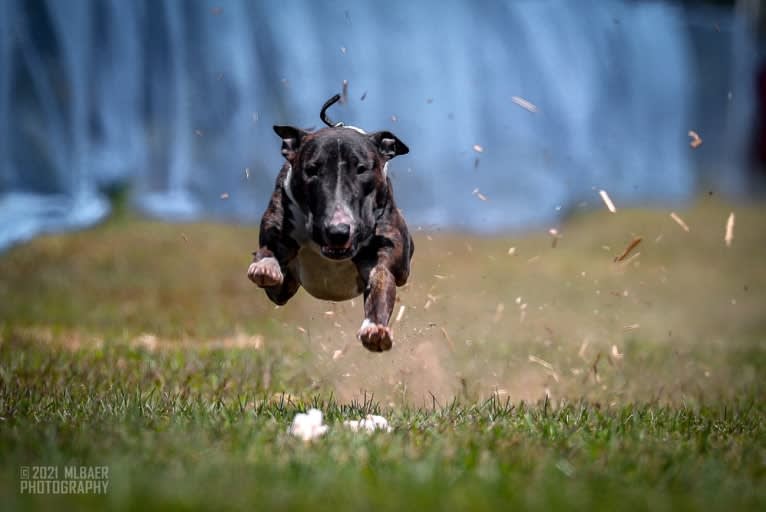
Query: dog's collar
{"points": [[356, 129]]}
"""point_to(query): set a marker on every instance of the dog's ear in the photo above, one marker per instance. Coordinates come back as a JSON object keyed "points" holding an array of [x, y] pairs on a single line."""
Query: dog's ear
{"points": [[389, 144], [291, 140]]}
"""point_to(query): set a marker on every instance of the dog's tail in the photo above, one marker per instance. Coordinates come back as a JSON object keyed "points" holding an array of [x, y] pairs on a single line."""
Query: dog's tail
{"points": [[323, 113]]}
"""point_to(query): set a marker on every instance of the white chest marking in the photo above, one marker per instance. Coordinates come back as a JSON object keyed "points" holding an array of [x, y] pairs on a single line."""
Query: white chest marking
{"points": [[326, 279]]}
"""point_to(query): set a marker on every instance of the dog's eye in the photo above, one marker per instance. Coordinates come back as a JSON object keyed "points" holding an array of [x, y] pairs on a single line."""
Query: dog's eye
{"points": [[361, 169], [311, 170]]}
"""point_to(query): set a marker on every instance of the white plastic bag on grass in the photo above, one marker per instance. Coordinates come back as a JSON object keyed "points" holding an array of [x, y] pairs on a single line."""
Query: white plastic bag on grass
{"points": [[370, 423], [308, 426]]}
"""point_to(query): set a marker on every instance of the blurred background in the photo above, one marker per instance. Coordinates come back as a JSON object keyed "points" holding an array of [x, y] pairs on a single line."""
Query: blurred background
{"points": [[532, 106], [151, 120]]}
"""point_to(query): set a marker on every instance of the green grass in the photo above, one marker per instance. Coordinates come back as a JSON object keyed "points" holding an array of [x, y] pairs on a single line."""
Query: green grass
{"points": [[551, 378]]}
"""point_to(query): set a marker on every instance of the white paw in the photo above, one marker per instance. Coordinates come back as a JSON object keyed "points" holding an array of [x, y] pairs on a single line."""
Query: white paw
{"points": [[375, 337], [265, 273]]}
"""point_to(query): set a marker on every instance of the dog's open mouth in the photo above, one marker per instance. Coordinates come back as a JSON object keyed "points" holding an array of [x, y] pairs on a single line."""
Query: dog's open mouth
{"points": [[337, 253]]}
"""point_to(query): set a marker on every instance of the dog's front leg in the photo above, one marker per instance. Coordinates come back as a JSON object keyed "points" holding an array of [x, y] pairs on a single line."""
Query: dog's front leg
{"points": [[265, 270], [277, 280], [379, 298], [270, 266]]}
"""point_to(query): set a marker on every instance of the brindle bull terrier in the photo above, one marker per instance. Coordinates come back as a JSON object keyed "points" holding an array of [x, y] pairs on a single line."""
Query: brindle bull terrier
{"points": [[332, 225]]}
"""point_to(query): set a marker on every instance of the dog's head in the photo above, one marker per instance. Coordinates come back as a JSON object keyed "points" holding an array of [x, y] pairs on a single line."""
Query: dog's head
{"points": [[339, 181]]}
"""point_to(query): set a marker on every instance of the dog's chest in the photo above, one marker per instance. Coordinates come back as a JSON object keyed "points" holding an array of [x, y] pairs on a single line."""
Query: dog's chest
{"points": [[326, 279]]}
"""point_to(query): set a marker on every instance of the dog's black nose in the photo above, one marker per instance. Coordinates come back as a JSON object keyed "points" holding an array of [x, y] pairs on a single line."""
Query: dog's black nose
{"points": [[338, 234]]}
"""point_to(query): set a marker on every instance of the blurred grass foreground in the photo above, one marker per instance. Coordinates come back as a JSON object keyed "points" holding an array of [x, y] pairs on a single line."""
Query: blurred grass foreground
{"points": [[529, 370]]}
